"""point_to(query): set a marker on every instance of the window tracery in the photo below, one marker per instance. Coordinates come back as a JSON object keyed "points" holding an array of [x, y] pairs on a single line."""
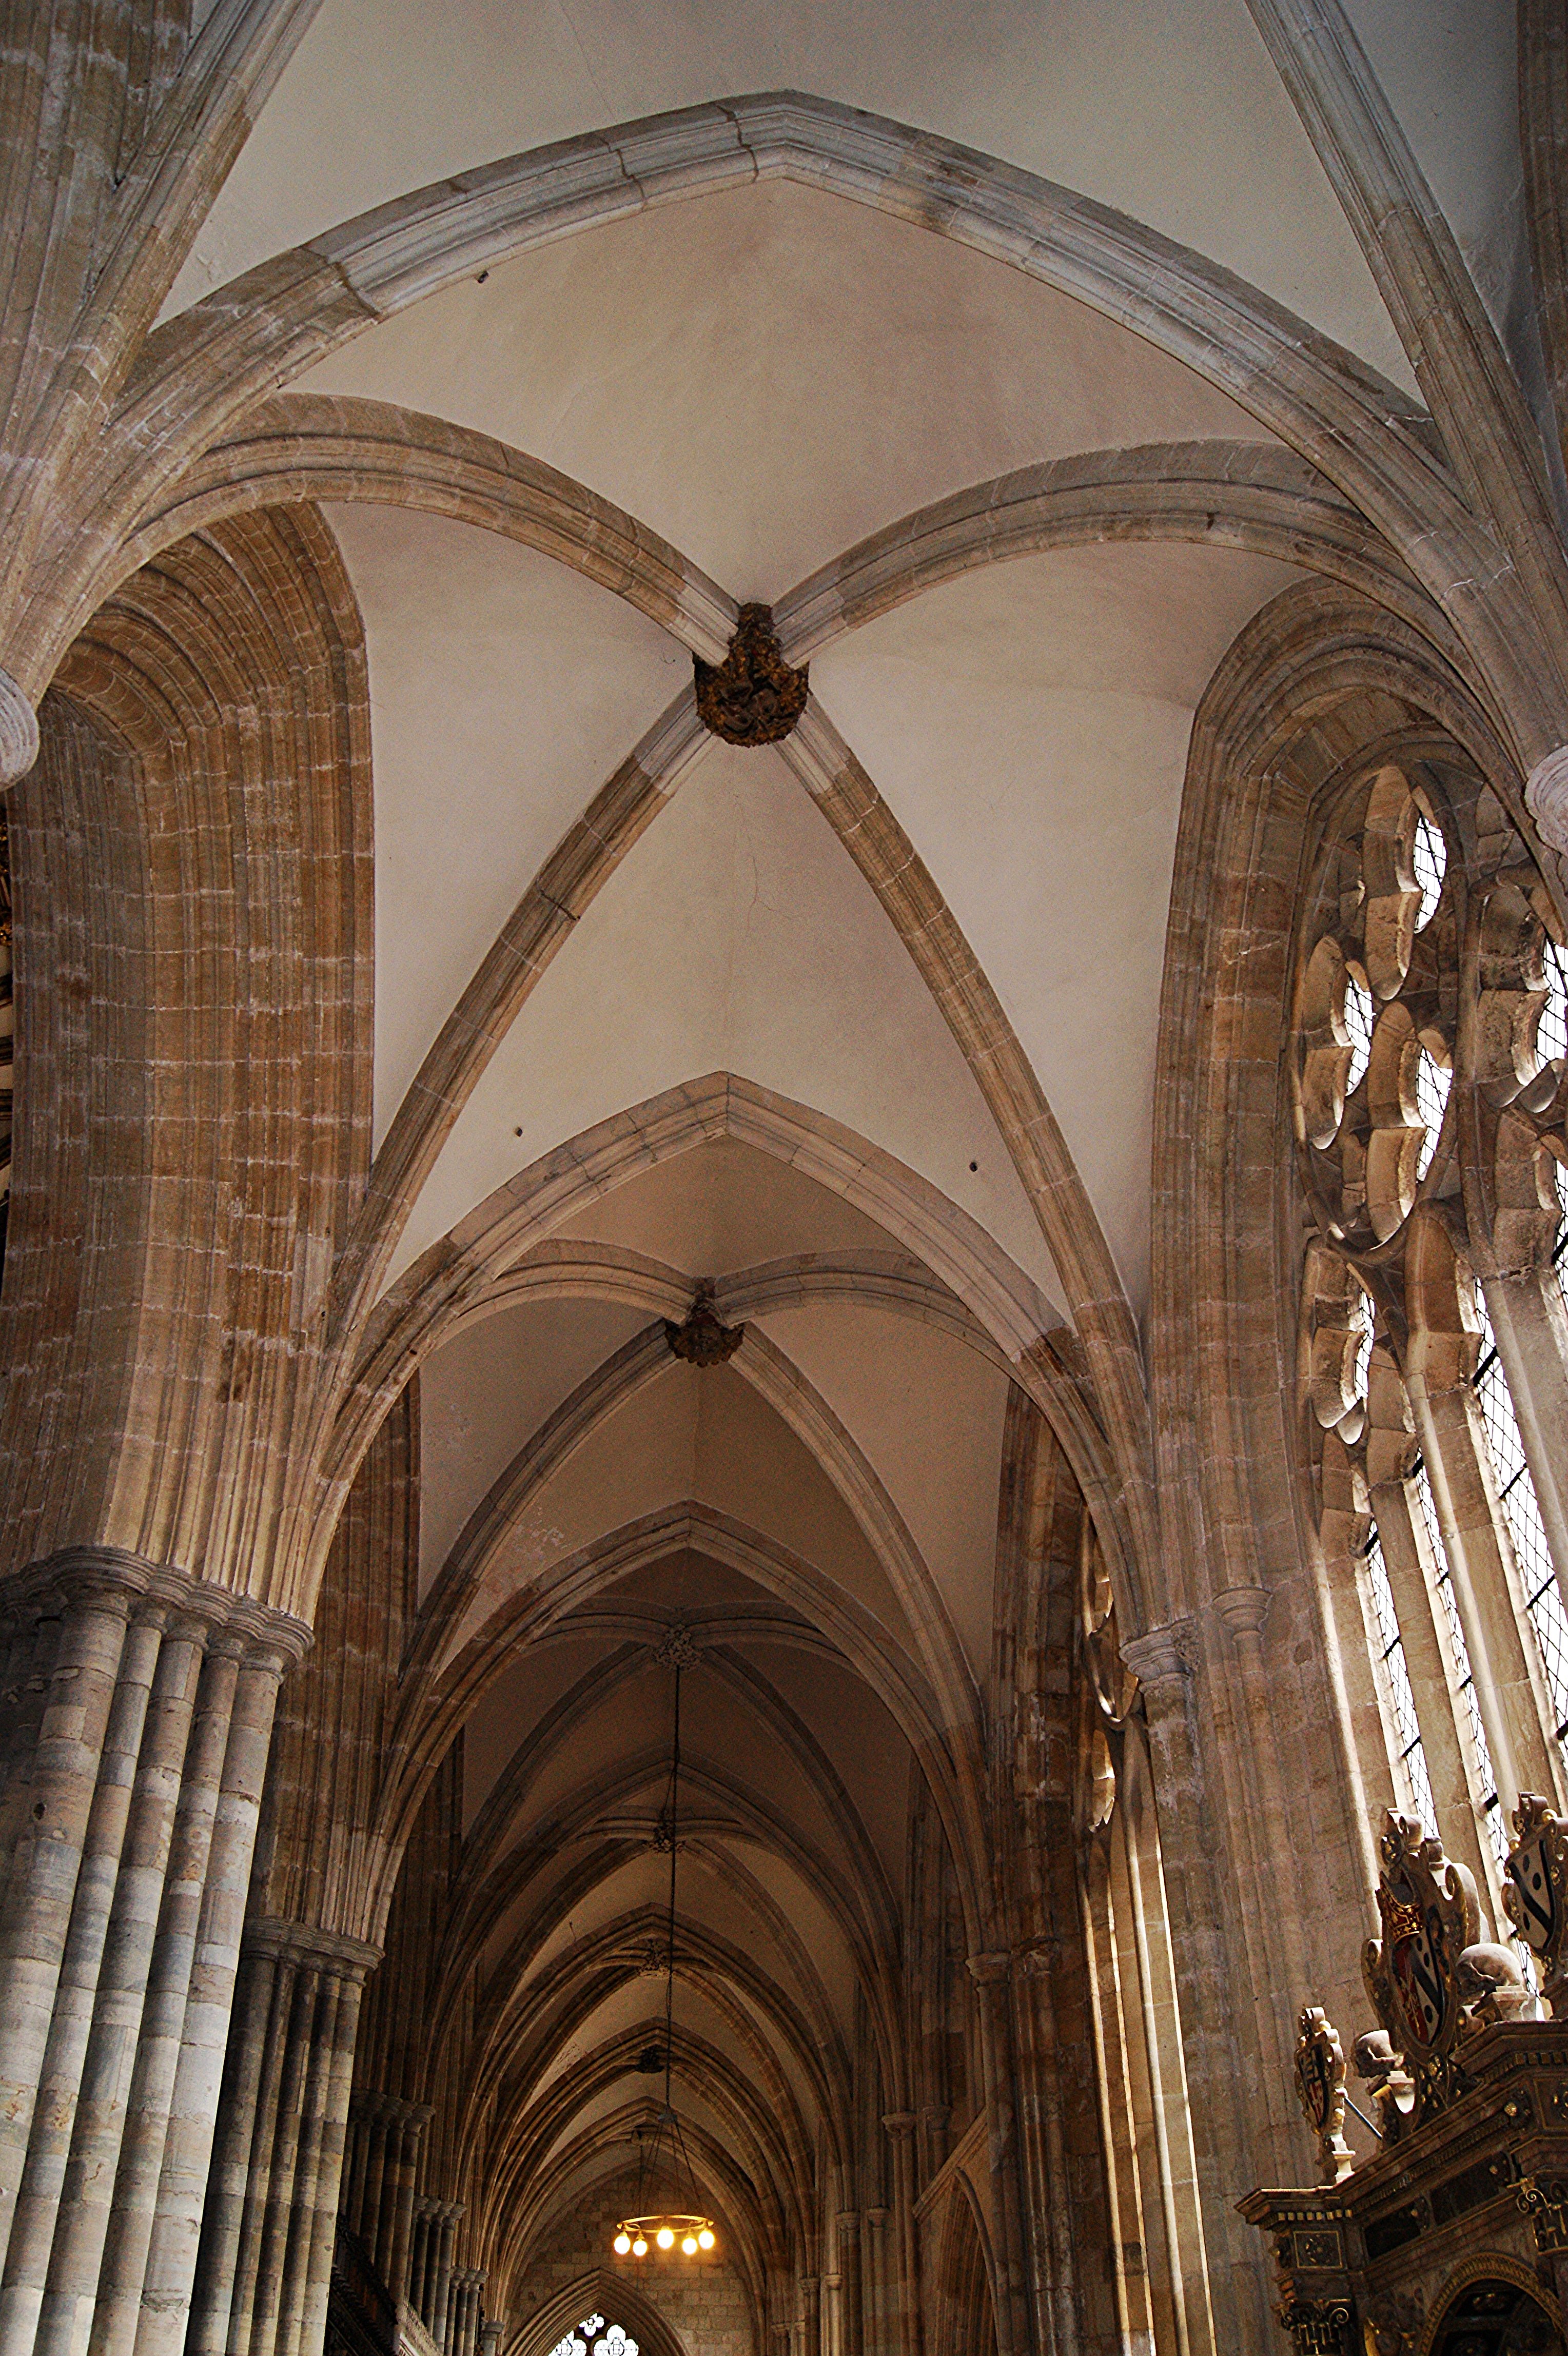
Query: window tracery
{"points": [[594, 2336], [1431, 1045]]}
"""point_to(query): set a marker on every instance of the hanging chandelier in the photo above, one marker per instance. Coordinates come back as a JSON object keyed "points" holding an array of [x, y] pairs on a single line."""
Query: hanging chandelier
{"points": [[688, 2230]]}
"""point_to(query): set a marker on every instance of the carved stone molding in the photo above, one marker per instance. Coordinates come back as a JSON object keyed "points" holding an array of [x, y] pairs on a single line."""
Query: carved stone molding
{"points": [[1546, 794], [113, 1576], [754, 696], [303, 1942], [19, 732], [1243, 1610], [704, 1340], [1159, 1654]]}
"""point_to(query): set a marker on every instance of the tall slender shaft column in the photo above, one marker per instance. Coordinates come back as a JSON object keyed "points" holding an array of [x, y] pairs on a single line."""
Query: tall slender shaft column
{"points": [[900, 2126], [443, 2299], [873, 2283], [992, 1974], [850, 2308], [415, 2118]]}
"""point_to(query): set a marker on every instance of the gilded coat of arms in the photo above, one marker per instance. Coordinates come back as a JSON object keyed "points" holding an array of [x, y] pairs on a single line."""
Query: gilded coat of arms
{"points": [[1535, 1897], [1429, 1913], [1320, 2087]]}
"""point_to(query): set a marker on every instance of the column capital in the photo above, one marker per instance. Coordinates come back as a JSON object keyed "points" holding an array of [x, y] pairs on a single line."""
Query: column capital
{"points": [[123, 1581], [1242, 1611], [899, 2122], [991, 1967], [1160, 1654], [305, 1942], [848, 2224], [877, 2217]]}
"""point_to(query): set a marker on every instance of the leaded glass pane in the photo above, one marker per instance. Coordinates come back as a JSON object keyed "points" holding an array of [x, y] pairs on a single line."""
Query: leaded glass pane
{"points": [[1407, 1726], [1543, 1601]]}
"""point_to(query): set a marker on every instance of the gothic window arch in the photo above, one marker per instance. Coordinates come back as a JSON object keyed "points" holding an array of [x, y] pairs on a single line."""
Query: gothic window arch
{"points": [[1430, 1051], [596, 2336]]}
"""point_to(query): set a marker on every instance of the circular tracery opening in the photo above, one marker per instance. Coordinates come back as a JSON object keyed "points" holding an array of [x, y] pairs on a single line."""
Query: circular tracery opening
{"points": [[1376, 1012], [594, 2336]]}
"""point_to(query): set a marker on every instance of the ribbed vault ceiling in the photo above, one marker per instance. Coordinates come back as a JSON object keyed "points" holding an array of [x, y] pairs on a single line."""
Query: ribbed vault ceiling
{"points": [[731, 1067]]}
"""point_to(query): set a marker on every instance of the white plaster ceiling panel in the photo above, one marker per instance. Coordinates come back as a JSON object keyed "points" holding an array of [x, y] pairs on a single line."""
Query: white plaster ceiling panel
{"points": [[659, 1448], [810, 1917], [634, 2006], [509, 1710], [1169, 108], [1029, 723], [488, 1390], [736, 935], [929, 1414], [860, 1736], [1452, 85], [641, 1885], [504, 690], [766, 375], [723, 1207]]}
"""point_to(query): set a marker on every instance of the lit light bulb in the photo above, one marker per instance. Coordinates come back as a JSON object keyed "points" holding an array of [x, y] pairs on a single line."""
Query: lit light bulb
{"points": [[704, 2239], [640, 2248], [622, 2245], [665, 2238], [689, 2246]]}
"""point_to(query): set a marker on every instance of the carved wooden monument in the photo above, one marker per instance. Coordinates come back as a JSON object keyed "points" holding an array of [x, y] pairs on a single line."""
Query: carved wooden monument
{"points": [[1451, 2239]]}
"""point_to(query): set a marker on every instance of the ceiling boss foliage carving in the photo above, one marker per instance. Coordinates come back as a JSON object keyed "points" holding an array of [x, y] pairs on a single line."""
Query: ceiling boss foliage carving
{"points": [[753, 697]]}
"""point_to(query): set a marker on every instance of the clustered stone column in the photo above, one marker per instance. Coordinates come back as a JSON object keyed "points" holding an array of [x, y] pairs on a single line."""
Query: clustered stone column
{"points": [[378, 2203], [138, 1708], [466, 2314], [905, 2288], [265, 2261], [852, 2329]]}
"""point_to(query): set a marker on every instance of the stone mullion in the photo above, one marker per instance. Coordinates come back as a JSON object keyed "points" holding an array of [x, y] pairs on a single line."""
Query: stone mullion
{"points": [[48, 2149], [1433, 1673], [1352, 1633], [1468, 1514], [36, 1915], [129, 2239], [108, 2070], [1530, 1323]]}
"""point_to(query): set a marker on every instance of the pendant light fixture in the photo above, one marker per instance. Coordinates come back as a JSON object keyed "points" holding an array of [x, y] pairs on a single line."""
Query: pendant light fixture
{"points": [[687, 2229]]}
